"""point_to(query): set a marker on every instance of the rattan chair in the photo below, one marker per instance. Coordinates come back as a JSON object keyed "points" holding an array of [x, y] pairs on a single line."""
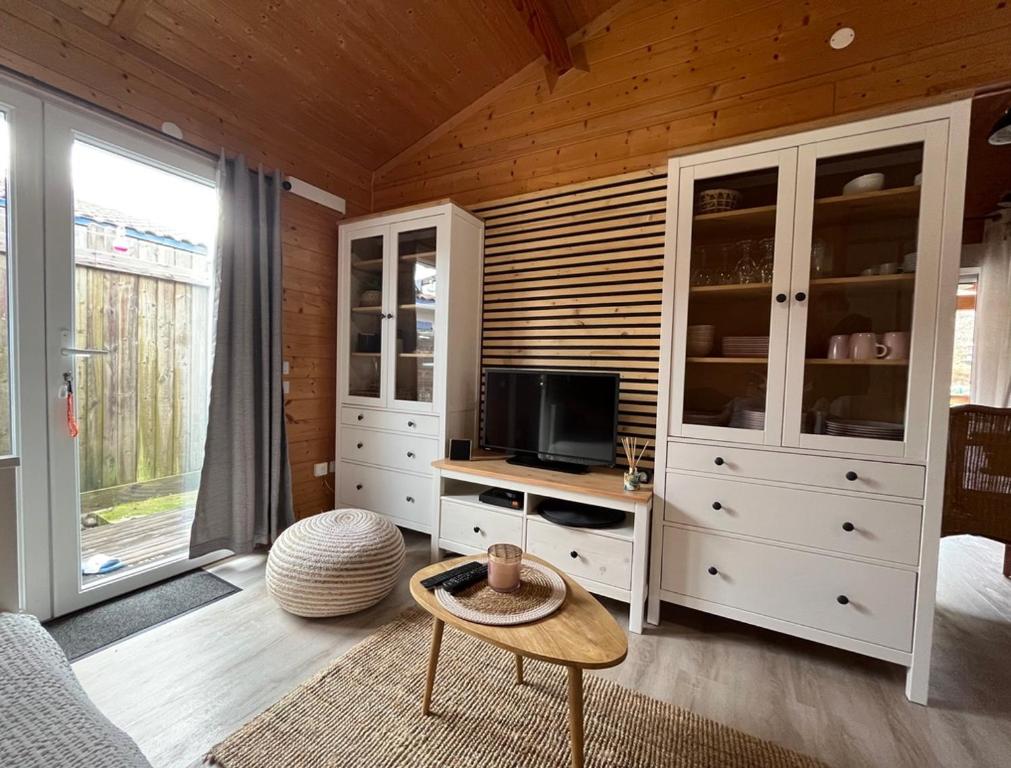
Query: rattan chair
{"points": [[977, 487]]}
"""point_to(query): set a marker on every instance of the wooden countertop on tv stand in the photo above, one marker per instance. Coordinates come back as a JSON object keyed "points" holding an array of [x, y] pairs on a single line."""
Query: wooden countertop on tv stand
{"points": [[599, 481]]}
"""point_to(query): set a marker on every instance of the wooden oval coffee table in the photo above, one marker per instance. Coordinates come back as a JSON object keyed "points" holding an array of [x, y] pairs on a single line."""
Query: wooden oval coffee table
{"points": [[579, 635]]}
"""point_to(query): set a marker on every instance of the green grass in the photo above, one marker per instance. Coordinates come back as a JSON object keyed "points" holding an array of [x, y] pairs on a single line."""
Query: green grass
{"points": [[147, 507]]}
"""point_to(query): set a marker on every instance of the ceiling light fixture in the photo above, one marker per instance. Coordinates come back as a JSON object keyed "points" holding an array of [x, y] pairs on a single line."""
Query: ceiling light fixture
{"points": [[842, 38], [1001, 132]]}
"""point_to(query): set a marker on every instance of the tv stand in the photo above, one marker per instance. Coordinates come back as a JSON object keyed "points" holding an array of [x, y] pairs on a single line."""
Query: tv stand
{"points": [[607, 561], [530, 460]]}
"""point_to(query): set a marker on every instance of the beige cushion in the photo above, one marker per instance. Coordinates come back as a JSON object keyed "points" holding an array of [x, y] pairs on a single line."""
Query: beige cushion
{"points": [[335, 563]]}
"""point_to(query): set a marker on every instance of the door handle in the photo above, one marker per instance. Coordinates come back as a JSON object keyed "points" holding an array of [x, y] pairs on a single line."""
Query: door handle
{"points": [[81, 351]]}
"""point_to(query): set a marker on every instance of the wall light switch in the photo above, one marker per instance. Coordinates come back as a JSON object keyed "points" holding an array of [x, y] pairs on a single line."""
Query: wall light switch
{"points": [[285, 368], [285, 387], [319, 470], [333, 467]]}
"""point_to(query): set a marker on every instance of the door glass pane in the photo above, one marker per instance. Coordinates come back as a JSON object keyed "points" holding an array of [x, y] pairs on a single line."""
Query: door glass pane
{"points": [[143, 281], [6, 436], [965, 341], [416, 298], [365, 366], [863, 278], [727, 344]]}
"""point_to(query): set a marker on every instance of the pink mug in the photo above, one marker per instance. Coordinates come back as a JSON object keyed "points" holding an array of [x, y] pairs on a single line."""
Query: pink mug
{"points": [[898, 345], [864, 346], [839, 347]]}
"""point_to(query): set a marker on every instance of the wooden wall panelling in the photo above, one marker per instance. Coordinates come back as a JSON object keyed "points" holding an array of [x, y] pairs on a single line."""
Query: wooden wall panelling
{"points": [[572, 279], [309, 333], [667, 77]]}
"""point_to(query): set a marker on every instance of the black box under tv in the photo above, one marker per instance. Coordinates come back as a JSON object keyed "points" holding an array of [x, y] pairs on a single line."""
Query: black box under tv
{"points": [[502, 497]]}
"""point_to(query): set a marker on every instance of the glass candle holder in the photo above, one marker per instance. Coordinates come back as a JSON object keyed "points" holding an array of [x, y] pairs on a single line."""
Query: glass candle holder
{"points": [[504, 561]]}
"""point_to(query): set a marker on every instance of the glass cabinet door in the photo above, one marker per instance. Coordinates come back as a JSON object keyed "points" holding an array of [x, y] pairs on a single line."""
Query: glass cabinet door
{"points": [[731, 317], [367, 316], [415, 302], [867, 248]]}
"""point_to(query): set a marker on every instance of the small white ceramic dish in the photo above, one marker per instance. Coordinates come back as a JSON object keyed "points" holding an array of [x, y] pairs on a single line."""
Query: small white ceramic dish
{"points": [[869, 182]]}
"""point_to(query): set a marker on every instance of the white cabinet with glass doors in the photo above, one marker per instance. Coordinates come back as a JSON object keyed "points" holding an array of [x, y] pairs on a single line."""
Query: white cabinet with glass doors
{"points": [[805, 361], [409, 339]]}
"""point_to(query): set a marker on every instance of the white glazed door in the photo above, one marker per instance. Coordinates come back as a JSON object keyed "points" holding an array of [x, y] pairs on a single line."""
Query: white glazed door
{"points": [[867, 246], [365, 267], [732, 275], [416, 298]]}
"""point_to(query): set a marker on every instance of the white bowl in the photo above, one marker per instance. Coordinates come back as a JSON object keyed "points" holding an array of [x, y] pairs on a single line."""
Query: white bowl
{"points": [[869, 182]]}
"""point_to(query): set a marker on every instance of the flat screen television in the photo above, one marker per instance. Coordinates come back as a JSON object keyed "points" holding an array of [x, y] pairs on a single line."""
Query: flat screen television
{"points": [[556, 419]]}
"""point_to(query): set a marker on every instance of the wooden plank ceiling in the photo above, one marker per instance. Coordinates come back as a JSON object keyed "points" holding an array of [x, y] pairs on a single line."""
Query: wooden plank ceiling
{"points": [[344, 85]]}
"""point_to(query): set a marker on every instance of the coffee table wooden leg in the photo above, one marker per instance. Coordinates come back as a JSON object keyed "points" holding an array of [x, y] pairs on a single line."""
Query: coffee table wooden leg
{"points": [[519, 669], [433, 663], [576, 715]]}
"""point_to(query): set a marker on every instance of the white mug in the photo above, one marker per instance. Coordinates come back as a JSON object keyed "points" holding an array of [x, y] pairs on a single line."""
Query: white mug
{"points": [[864, 346], [897, 343], [909, 262], [888, 268], [839, 347]]}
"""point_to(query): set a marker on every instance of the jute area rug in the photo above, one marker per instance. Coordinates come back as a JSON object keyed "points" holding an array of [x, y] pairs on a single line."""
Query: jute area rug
{"points": [[365, 710]]}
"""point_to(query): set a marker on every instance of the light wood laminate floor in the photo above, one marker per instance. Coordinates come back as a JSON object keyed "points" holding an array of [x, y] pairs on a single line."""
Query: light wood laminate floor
{"points": [[184, 685]]}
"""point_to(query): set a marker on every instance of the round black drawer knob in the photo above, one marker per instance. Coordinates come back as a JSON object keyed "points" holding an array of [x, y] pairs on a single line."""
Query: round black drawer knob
{"points": [[842, 600], [800, 296], [717, 506], [713, 570], [477, 529], [410, 454], [410, 499], [573, 554], [358, 487], [851, 475], [718, 461], [848, 526], [781, 297], [411, 424], [361, 445], [361, 416]]}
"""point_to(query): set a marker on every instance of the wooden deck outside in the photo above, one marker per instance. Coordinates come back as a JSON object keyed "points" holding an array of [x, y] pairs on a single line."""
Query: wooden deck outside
{"points": [[140, 541]]}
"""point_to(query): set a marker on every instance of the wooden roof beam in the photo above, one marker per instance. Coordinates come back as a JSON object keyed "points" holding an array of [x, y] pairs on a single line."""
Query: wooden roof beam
{"points": [[541, 23]]}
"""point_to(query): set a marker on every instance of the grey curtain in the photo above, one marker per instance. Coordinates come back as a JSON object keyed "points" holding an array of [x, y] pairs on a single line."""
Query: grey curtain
{"points": [[245, 487]]}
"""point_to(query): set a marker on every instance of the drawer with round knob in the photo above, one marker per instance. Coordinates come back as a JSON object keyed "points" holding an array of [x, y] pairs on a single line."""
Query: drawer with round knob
{"points": [[886, 478], [872, 603], [581, 552], [403, 452], [408, 423], [885, 530], [398, 495], [476, 527]]}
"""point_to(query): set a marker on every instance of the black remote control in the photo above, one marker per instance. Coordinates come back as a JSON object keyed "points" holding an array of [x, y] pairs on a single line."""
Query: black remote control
{"points": [[464, 580], [441, 578]]}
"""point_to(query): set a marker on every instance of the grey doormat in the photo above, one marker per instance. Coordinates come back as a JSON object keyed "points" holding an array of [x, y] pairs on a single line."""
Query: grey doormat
{"points": [[92, 629]]}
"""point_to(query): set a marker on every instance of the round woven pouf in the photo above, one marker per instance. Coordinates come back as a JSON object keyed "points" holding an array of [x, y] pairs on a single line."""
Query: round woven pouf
{"points": [[335, 563]]}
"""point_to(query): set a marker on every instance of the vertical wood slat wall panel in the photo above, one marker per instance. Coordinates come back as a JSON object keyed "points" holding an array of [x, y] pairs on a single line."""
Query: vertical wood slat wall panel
{"points": [[572, 279]]}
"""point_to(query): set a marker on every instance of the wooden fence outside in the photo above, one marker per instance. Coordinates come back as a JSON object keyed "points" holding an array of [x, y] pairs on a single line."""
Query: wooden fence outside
{"points": [[142, 408]]}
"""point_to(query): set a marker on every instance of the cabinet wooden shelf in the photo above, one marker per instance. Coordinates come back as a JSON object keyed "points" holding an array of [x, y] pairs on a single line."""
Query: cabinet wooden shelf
{"points": [[898, 203], [427, 258], [371, 310], [366, 354], [420, 355], [741, 222], [730, 360], [419, 307], [902, 280], [857, 363], [735, 290], [368, 265]]}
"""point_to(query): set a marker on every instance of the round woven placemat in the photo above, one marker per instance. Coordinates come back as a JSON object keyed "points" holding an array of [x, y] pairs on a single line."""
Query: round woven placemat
{"points": [[541, 593]]}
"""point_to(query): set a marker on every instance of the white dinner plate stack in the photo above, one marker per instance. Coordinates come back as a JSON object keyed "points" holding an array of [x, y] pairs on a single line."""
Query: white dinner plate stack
{"points": [[700, 340], [746, 346], [748, 418], [871, 430], [706, 418]]}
